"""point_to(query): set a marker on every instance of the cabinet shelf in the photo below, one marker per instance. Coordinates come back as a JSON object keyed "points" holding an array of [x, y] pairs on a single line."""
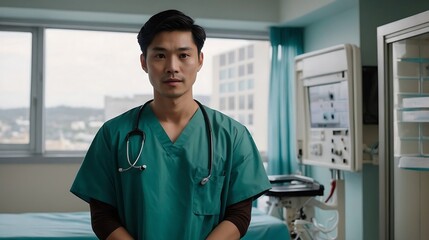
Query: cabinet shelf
{"points": [[412, 78], [414, 163], [414, 60], [408, 94], [414, 138]]}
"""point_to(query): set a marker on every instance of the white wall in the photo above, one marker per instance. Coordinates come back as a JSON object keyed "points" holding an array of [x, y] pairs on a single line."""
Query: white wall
{"points": [[38, 188]]}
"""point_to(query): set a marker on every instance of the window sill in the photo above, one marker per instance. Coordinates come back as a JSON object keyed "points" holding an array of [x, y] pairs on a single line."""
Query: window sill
{"points": [[22, 158]]}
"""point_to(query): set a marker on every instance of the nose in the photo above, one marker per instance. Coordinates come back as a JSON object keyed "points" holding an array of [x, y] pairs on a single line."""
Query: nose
{"points": [[172, 65]]}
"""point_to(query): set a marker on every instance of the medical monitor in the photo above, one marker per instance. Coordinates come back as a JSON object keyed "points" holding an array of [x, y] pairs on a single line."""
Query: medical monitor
{"points": [[328, 105], [329, 108]]}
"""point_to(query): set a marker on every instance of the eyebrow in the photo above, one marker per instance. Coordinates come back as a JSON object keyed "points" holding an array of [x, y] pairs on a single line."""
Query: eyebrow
{"points": [[161, 49]]}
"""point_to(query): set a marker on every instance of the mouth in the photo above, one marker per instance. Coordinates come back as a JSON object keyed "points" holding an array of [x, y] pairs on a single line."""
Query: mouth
{"points": [[172, 81]]}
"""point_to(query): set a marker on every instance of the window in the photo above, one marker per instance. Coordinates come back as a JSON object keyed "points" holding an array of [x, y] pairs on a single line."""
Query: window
{"points": [[250, 101], [242, 85], [250, 68], [223, 74], [250, 83], [15, 89], [241, 54], [77, 86], [231, 72], [88, 77], [241, 102], [231, 87], [241, 70]]}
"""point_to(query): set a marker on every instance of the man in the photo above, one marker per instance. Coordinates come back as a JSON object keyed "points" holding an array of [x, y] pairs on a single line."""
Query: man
{"points": [[191, 173]]}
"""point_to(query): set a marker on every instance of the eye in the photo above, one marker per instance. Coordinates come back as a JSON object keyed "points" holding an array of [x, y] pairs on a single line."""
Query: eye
{"points": [[159, 55], [183, 55]]}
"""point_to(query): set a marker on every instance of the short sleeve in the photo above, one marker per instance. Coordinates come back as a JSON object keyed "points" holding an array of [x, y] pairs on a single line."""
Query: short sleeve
{"points": [[248, 176], [95, 178]]}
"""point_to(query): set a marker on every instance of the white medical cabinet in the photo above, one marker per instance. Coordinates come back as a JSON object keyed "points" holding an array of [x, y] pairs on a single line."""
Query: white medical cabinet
{"points": [[403, 63]]}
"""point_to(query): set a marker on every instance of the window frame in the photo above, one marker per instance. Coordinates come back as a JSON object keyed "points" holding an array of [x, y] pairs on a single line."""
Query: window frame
{"points": [[36, 91], [34, 151]]}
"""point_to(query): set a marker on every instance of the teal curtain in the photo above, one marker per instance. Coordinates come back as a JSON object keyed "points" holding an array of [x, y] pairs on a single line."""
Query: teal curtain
{"points": [[286, 44]]}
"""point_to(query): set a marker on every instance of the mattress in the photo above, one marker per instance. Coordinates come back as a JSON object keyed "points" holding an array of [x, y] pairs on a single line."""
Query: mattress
{"points": [[265, 227], [73, 225], [77, 226]]}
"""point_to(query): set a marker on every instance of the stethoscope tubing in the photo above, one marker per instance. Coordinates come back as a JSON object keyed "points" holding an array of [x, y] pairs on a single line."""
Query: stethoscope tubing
{"points": [[136, 131]]}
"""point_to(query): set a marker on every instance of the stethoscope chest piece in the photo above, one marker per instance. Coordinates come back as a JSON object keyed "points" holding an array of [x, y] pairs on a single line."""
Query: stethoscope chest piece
{"points": [[204, 181]]}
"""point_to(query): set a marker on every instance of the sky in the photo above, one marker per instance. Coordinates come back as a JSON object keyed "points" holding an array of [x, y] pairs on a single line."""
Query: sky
{"points": [[82, 66]]}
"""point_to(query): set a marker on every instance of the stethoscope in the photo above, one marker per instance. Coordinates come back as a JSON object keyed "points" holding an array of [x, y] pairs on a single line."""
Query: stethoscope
{"points": [[137, 132]]}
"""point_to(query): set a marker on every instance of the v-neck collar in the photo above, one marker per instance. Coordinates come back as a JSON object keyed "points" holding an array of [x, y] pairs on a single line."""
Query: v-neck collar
{"points": [[162, 136]]}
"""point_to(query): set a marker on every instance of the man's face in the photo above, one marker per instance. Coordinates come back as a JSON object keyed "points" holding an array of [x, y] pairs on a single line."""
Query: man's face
{"points": [[172, 63]]}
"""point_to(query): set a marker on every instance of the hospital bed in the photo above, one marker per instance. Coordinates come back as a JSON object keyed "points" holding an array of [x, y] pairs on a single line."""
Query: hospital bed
{"points": [[77, 226]]}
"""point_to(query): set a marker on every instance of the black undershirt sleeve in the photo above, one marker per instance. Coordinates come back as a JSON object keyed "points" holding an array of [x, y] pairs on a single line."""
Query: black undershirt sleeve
{"points": [[240, 214], [104, 218]]}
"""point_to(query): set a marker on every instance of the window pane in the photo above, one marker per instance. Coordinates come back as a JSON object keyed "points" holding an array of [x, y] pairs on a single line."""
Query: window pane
{"points": [[231, 57], [241, 102], [15, 85], [241, 54], [250, 101], [241, 70], [91, 76], [247, 82], [250, 68]]}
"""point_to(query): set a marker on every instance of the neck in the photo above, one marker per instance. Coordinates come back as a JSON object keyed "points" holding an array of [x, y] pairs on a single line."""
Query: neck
{"points": [[174, 115], [174, 110]]}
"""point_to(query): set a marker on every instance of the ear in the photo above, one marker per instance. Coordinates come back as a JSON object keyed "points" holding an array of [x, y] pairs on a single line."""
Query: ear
{"points": [[143, 62], [200, 61]]}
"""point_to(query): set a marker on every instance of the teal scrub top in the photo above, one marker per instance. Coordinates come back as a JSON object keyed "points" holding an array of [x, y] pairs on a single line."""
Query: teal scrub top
{"points": [[166, 200]]}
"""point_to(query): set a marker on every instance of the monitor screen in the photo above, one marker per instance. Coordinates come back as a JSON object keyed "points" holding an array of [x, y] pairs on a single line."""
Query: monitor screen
{"points": [[329, 105]]}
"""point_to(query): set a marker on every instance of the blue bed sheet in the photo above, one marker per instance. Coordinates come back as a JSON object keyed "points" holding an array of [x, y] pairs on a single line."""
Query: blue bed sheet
{"points": [[265, 227], [77, 226], [26, 226]]}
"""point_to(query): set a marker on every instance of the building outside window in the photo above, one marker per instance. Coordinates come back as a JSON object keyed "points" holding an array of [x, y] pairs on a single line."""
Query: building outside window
{"points": [[250, 112]]}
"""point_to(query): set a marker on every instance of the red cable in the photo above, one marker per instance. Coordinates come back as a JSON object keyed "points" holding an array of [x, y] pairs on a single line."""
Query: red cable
{"points": [[333, 185]]}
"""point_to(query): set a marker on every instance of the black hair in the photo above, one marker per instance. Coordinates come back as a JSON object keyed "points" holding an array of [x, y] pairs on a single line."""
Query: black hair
{"points": [[168, 21]]}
